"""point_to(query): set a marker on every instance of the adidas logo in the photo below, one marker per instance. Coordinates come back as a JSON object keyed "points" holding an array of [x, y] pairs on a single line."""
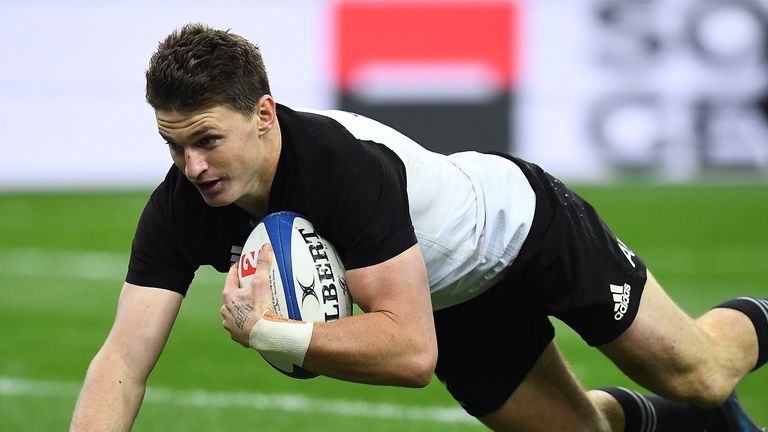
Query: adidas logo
{"points": [[620, 299]]}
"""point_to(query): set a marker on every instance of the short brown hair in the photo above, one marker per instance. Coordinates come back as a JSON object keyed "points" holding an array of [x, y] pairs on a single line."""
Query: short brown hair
{"points": [[197, 67]]}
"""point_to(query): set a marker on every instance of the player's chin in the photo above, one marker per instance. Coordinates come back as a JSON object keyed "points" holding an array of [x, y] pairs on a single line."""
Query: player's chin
{"points": [[217, 201], [215, 195]]}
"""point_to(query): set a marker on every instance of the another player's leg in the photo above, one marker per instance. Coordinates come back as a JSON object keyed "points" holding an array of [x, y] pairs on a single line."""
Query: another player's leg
{"points": [[698, 361]]}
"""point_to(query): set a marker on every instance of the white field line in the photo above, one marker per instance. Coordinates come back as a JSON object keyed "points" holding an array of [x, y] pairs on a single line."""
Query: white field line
{"points": [[97, 266], [112, 267], [77, 265], [294, 403]]}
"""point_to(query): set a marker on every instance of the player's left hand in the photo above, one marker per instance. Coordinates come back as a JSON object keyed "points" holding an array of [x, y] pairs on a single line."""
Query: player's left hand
{"points": [[244, 306]]}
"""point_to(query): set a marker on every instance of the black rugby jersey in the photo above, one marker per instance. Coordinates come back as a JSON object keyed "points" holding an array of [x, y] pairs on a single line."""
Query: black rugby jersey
{"points": [[353, 191]]}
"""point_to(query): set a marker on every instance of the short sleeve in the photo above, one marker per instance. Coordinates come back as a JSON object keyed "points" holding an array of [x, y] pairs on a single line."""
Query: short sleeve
{"points": [[376, 223], [155, 260]]}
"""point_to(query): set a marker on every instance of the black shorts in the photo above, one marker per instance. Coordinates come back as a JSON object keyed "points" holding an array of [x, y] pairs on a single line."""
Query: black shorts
{"points": [[571, 266]]}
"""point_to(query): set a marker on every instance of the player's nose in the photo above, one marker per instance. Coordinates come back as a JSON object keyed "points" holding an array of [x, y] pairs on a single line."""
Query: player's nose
{"points": [[194, 164]]}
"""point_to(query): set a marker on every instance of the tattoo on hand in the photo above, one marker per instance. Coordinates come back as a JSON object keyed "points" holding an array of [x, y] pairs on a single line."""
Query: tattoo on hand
{"points": [[240, 313]]}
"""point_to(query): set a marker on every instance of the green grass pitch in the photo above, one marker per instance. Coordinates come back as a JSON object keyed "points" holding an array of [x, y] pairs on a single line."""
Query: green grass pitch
{"points": [[62, 262]]}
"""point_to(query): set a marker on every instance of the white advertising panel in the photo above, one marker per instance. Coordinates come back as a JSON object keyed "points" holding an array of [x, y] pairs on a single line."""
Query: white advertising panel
{"points": [[672, 90], [72, 82]]}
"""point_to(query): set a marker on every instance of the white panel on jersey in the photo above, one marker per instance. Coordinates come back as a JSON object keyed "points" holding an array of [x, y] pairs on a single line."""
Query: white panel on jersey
{"points": [[471, 211]]}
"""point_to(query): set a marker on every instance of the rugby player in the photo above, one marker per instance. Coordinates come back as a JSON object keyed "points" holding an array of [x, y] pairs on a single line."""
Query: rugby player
{"points": [[464, 255]]}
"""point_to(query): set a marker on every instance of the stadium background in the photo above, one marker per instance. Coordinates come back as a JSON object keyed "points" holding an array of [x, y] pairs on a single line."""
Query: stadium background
{"points": [[654, 110]]}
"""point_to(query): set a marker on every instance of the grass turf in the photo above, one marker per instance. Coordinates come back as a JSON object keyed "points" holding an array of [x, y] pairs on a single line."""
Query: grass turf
{"points": [[62, 261]]}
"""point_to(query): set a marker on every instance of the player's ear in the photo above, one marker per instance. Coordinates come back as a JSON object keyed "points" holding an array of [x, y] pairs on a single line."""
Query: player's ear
{"points": [[266, 112]]}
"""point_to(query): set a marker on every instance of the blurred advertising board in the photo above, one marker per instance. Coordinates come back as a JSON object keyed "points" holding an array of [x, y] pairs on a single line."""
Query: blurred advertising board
{"points": [[594, 90], [671, 89]]}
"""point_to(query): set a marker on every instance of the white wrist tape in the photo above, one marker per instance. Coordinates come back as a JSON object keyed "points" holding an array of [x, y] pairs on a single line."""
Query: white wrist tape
{"points": [[274, 334]]}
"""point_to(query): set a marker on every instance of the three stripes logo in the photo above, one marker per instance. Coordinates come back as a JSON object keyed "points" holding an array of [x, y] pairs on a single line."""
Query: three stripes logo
{"points": [[621, 295]]}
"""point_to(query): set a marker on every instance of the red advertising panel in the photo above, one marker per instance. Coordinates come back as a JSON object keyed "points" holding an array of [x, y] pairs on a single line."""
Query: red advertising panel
{"points": [[431, 69]]}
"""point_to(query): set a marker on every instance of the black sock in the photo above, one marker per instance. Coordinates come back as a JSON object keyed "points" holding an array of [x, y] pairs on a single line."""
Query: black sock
{"points": [[654, 414], [757, 311]]}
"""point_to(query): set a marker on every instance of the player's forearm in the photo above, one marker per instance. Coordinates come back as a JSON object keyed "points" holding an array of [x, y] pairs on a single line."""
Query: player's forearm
{"points": [[372, 348], [110, 397]]}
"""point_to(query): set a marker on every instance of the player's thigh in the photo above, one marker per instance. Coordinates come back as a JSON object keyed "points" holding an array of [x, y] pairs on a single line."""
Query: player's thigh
{"points": [[549, 399], [661, 345]]}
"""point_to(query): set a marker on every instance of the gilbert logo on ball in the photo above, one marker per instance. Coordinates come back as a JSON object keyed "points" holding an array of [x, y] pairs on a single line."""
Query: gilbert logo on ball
{"points": [[306, 276]]}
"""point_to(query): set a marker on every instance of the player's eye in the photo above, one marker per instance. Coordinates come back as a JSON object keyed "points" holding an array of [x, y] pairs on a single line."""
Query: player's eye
{"points": [[208, 141], [174, 147]]}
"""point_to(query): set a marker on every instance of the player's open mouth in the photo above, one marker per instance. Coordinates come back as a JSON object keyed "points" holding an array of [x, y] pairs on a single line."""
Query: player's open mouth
{"points": [[209, 186]]}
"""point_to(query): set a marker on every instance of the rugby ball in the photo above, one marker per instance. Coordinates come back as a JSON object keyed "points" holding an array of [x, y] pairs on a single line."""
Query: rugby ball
{"points": [[306, 276]]}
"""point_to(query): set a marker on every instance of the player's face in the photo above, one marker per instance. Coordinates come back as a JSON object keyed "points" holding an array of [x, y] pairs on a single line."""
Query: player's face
{"points": [[223, 153]]}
